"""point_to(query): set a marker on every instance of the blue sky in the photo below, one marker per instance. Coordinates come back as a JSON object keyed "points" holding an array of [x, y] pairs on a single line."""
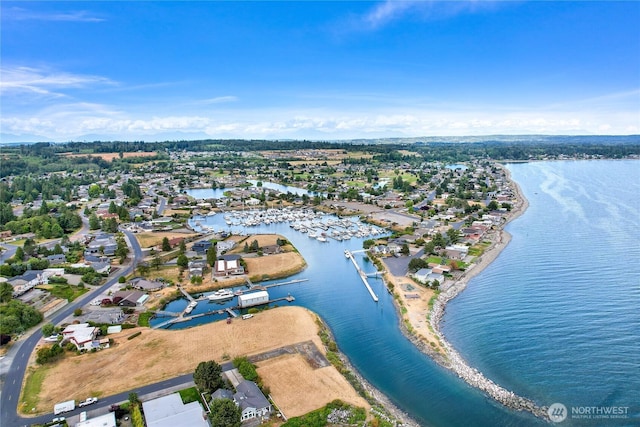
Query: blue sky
{"points": [[317, 70]]}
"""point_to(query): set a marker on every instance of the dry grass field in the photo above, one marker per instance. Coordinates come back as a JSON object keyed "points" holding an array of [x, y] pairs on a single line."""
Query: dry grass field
{"points": [[156, 355], [274, 266], [297, 388], [110, 156], [148, 240]]}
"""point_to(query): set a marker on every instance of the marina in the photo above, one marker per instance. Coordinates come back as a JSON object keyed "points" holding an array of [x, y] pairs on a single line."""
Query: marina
{"points": [[232, 312], [317, 225]]}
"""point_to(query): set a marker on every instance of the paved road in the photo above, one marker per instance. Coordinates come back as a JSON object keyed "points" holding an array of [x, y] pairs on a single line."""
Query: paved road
{"points": [[9, 251], [13, 366]]}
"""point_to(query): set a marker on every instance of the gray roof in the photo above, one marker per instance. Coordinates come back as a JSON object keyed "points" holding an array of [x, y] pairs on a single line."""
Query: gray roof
{"points": [[248, 395], [169, 411], [221, 393]]}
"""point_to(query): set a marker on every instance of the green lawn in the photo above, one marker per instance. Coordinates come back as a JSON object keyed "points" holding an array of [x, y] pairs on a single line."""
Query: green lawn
{"points": [[434, 259], [189, 395], [143, 318], [68, 292], [32, 387]]}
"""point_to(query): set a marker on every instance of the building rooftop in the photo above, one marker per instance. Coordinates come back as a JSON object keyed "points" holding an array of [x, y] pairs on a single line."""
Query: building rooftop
{"points": [[169, 411]]}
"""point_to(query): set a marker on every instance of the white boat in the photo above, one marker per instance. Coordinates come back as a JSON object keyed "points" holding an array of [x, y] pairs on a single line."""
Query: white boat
{"points": [[321, 239], [190, 307], [221, 295]]}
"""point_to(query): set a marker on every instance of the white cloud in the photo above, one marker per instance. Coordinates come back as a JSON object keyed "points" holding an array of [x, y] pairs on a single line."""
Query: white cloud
{"points": [[217, 100], [41, 81], [389, 11], [20, 14]]}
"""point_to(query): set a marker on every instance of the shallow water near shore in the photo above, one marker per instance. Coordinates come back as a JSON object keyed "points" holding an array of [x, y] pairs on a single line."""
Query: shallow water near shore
{"points": [[555, 318]]}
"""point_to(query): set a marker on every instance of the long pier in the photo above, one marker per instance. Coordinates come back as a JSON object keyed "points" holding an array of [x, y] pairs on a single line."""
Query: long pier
{"points": [[362, 275]]}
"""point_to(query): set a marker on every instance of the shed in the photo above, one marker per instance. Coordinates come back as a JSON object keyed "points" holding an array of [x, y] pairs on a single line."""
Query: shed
{"points": [[254, 298]]}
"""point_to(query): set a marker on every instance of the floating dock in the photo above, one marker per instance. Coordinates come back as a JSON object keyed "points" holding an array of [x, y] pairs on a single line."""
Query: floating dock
{"points": [[231, 311], [361, 273]]}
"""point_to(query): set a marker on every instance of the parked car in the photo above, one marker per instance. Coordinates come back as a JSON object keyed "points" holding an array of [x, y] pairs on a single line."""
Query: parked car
{"points": [[89, 401], [58, 419]]}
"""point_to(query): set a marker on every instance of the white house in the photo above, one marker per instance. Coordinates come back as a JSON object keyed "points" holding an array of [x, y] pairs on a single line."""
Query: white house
{"points": [[82, 335]]}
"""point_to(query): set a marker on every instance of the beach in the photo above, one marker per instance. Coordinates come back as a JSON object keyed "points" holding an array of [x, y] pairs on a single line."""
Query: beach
{"points": [[424, 324]]}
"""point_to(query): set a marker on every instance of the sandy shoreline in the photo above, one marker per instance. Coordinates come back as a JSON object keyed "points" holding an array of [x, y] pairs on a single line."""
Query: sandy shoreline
{"points": [[451, 359]]}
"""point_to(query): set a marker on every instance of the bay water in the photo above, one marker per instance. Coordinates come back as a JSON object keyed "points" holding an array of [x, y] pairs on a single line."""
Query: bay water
{"points": [[556, 318]]}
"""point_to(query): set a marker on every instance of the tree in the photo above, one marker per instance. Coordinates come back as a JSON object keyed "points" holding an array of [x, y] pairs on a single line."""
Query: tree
{"points": [[19, 255], [182, 261], [416, 264], [94, 222], [225, 413], [6, 292], [493, 205], [183, 246], [29, 247], [211, 255], [405, 249], [156, 262], [438, 241], [48, 329], [453, 235], [144, 269], [208, 376], [166, 246]]}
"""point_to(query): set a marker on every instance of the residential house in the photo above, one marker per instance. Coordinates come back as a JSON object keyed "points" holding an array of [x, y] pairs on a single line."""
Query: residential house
{"points": [[146, 285], [103, 244], [110, 316], [101, 267], [225, 246], [251, 401], [129, 298], [169, 411], [56, 259], [196, 268], [422, 275], [230, 267], [202, 246], [105, 420], [81, 334], [271, 249], [221, 393], [28, 280]]}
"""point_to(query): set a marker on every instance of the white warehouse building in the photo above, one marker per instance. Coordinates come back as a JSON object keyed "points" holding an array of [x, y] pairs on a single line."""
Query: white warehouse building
{"points": [[254, 298]]}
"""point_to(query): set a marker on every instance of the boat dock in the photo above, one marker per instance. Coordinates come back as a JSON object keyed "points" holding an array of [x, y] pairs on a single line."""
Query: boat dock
{"points": [[186, 294], [231, 311], [361, 273]]}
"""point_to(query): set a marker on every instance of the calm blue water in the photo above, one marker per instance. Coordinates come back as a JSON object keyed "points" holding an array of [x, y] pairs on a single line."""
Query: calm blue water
{"points": [[210, 193], [555, 318]]}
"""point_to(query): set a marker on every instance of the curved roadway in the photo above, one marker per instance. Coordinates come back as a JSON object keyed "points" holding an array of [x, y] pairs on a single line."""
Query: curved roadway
{"points": [[19, 354]]}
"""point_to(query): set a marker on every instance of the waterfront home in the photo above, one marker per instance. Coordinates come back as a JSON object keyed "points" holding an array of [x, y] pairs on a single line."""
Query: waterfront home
{"points": [[146, 285], [422, 275], [251, 401], [129, 298], [225, 246], [230, 267]]}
